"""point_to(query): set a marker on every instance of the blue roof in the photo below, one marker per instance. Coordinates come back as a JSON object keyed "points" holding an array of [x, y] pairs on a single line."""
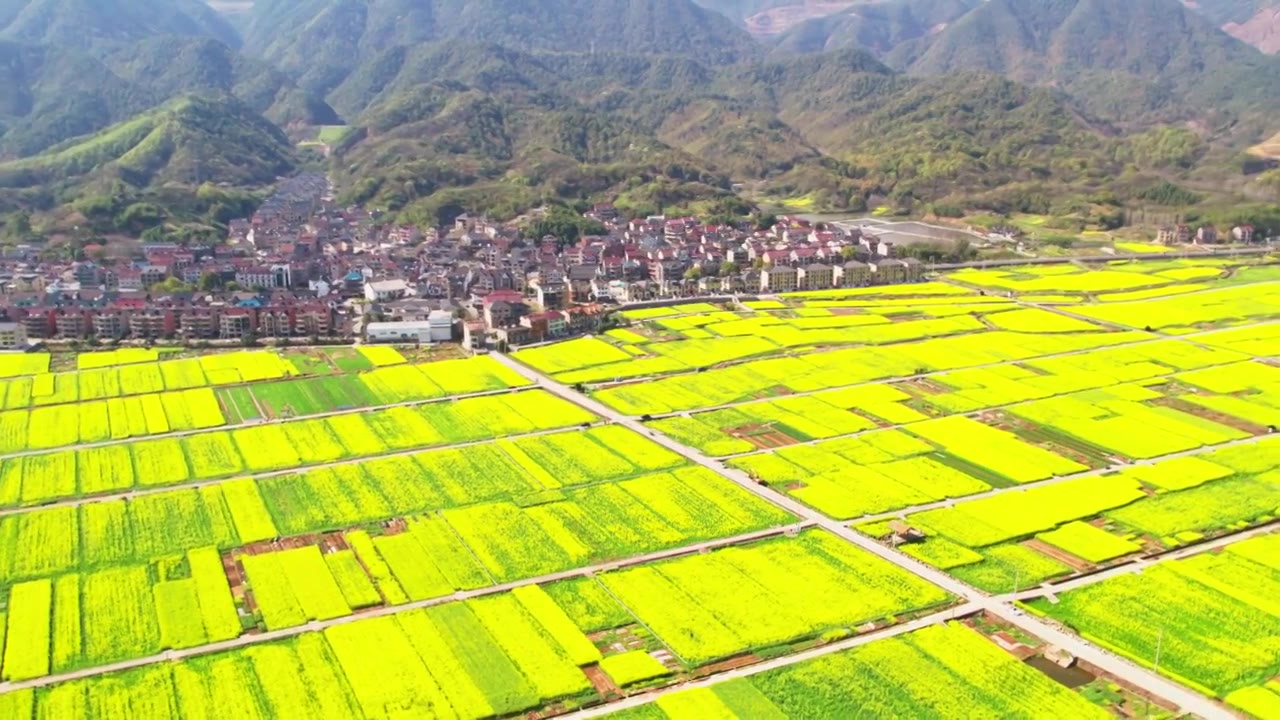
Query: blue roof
{"points": [[251, 302]]}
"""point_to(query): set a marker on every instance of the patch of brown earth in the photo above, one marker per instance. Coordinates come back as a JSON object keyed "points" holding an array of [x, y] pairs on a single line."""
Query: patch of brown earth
{"points": [[1261, 31], [778, 20], [1058, 554]]}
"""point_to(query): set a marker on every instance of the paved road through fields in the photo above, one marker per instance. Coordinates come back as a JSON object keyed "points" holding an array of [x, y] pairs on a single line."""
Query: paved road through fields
{"points": [[1122, 668], [314, 626]]}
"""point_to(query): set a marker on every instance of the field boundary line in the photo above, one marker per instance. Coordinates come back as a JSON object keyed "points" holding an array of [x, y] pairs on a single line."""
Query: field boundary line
{"points": [[1141, 564], [885, 633], [390, 610], [296, 470], [951, 502], [1119, 666], [277, 421], [969, 414], [898, 378]]}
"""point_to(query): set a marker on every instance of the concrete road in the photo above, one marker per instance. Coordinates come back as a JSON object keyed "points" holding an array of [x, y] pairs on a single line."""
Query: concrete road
{"points": [[1127, 670], [939, 617], [138, 492], [317, 416], [316, 626]]}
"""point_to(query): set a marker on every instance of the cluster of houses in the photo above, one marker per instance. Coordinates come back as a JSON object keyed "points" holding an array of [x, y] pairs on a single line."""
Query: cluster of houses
{"points": [[1182, 234], [304, 268]]}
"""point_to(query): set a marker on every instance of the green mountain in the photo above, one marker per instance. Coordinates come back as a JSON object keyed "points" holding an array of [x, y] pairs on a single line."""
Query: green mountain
{"points": [[84, 23], [442, 148], [51, 94], [322, 41], [740, 10], [189, 140], [1138, 60], [178, 171], [879, 26], [169, 66], [472, 127]]}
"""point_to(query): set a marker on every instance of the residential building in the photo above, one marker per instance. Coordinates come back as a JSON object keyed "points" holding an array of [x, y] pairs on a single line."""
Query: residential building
{"points": [[386, 290], [779, 279], [815, 277], [13, 336], [1207, 235], [852, 274], [413, 331], [888, 271]]}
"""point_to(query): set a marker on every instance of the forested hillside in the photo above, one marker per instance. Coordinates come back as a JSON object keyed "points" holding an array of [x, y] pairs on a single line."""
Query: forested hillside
{"points": [[499, 106], [1134, 60], [330, 38], [81, 23]]}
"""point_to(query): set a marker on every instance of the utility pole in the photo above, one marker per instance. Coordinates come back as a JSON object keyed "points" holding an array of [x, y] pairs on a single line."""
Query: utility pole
{"points": [[1159, 644], [1156, 664]]}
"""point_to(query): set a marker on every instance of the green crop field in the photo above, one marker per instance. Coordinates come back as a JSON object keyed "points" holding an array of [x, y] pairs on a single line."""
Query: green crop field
{"points": [[834, 482]]}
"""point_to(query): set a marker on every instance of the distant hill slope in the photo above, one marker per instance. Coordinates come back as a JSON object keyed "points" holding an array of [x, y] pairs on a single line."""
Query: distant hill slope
{"points": [[479, 127], [50, 94], [879, 26], [169, 65], [1261, 31], [1132, 60], [190, 140], [322, 41], [81, 23], [1221, 12]]}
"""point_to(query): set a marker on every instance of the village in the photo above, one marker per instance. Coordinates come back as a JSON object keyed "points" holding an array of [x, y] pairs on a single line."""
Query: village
{"points": [[302, 269]]}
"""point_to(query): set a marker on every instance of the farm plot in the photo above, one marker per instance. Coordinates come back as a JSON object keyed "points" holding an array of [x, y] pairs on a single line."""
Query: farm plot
{"points": [[1089, 542], [245, 367], [765, 424], [126, 373], [1213, 616], [843, 368], [1096, 519], [739, 599], [990, 520], [103, 420], [311, 396], [105, 616], [1032, 280], [916, 290], [996, 450], [118, 532], [1009, 567], [1131, 428], [1252, 340], [597, 523], [600, 361], [669, 311], [37, 479], [15, 364], [877, 472], [121, 356], [948, 670], [147, 528], [292, 587], [1110, 368], [495, 656], [571, 355], [1209, 309], [381, 355]]}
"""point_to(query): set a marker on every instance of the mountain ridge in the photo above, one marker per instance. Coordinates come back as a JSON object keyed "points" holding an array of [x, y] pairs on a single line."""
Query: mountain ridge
{"points": [[83, 23], [338, 35], [53, 93]]}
